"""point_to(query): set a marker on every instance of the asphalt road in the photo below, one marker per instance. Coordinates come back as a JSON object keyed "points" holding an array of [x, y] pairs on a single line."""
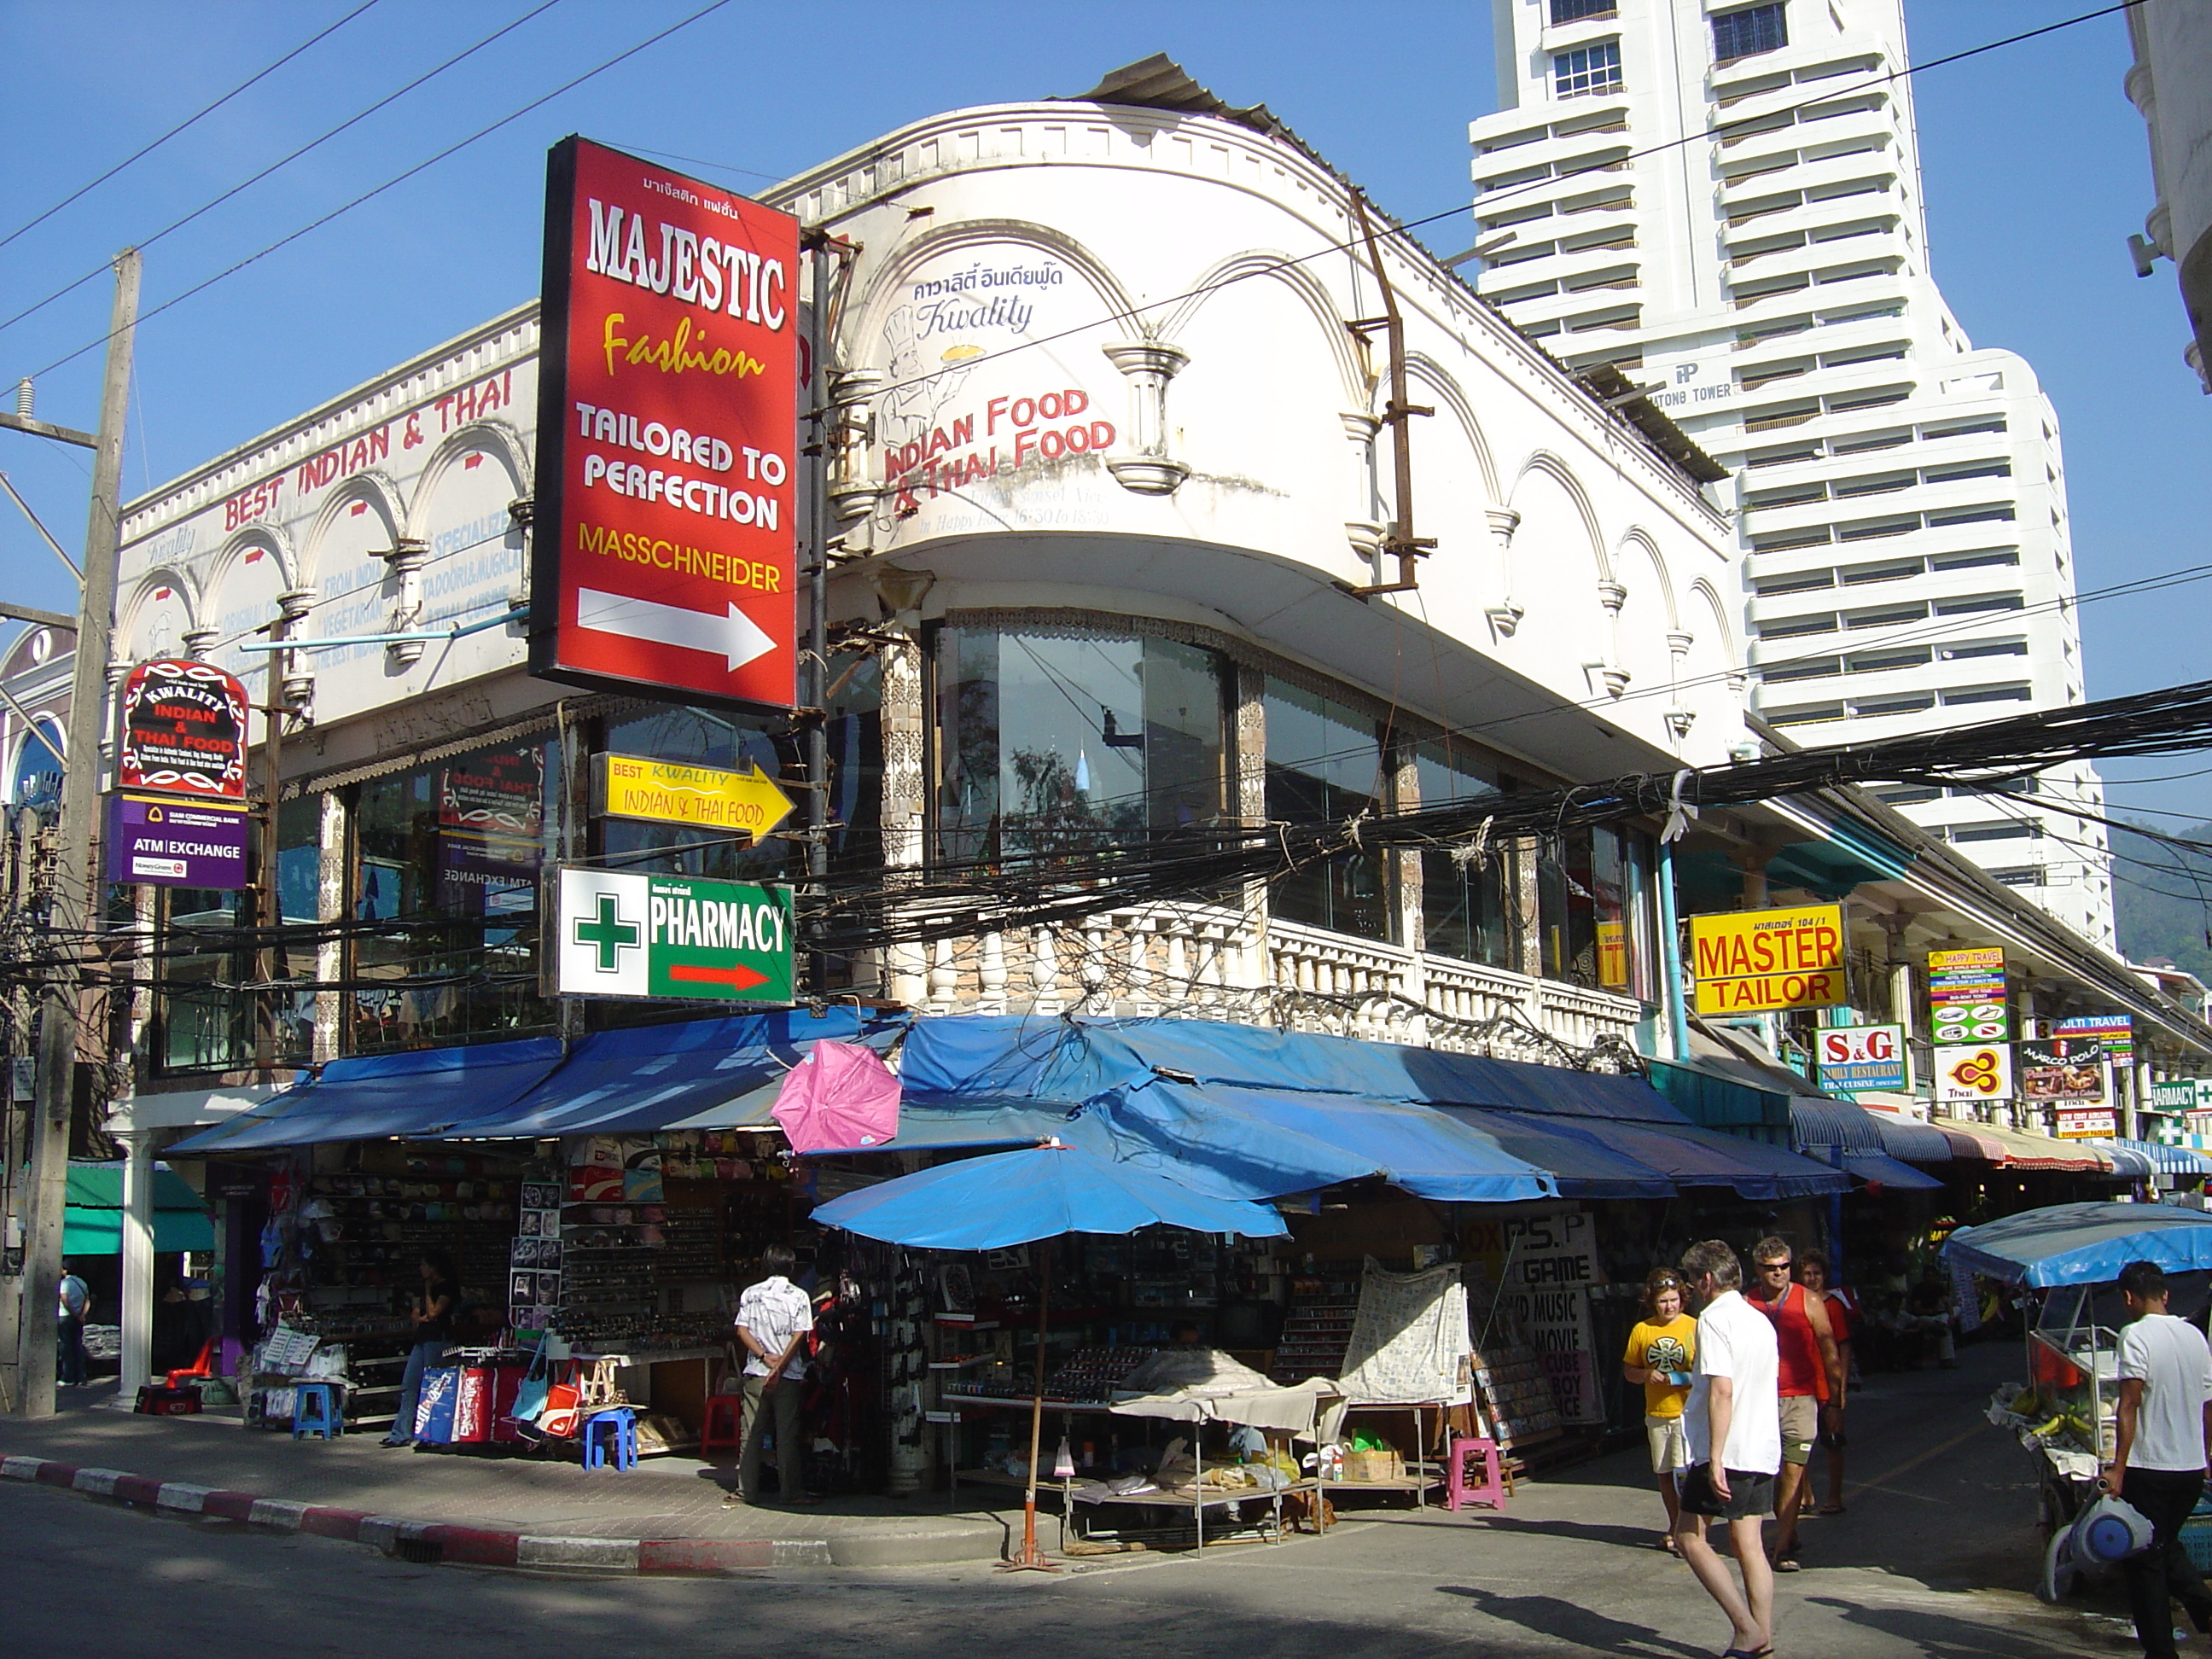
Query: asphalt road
{"points": [[1934, 1558]]}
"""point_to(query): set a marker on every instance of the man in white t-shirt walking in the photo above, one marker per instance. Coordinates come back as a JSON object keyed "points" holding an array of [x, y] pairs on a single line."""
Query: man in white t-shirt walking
{"points": [[1733, 1422], [2158, 1458]]}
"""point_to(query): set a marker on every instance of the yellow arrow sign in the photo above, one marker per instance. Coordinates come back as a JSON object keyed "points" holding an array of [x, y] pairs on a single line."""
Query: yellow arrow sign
{"points": [[698, 797]]}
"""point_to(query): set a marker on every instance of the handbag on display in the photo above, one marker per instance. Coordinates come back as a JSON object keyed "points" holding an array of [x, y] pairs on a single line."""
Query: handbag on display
{"points": [[562, 1411]]}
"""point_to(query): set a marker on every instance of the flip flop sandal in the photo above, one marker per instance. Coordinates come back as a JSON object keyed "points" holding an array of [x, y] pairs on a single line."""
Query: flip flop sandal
{"points": [[1788, 1564], [1829, 1509]]}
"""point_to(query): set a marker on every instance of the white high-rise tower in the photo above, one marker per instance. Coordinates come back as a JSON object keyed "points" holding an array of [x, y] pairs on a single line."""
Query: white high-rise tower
{"points": [[1725, 201]]}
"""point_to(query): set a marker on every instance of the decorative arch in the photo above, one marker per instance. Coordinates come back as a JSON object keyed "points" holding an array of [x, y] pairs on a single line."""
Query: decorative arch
{"points": [[496, 438], [384, 498], [159, 586], [1639, 540], [1359, 385], [1723, 633], [1543, 463], [884, 287], [272, 540], [1449, 395]]}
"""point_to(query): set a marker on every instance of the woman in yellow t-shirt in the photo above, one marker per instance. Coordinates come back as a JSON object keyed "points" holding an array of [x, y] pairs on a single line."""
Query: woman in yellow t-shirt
{"points": [[1661, 1351]]}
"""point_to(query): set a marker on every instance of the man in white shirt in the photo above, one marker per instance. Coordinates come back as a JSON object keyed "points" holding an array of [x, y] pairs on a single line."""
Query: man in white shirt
{"points": [[1733, 1423], [774, 1317], [2158, 1453]]}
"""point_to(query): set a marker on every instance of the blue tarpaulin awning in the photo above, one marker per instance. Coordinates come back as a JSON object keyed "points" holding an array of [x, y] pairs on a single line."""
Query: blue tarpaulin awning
{"points": [[1294, 1111], [1037, 1193], [1575, 1154], [2143, 1158], [418, 1092], [1878, 1168], [1819, 1122], [2085, 1244], [701, 1074], [690, 1075]]}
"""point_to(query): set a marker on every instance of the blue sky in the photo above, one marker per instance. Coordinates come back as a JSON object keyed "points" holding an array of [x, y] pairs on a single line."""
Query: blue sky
{"points": [[2036, 174]]}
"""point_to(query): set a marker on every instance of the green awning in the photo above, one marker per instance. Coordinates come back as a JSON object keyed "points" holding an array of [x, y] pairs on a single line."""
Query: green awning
{"points": [[92, 1224], [88, 1231]]}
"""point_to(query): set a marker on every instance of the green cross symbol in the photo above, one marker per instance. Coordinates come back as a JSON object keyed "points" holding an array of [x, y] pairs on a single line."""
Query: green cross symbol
{"points": [[609, 934]]}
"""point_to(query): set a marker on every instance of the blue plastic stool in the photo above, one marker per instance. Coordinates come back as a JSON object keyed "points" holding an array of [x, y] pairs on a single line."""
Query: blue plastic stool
{"points": [[622, 1422], [313, 1412]]}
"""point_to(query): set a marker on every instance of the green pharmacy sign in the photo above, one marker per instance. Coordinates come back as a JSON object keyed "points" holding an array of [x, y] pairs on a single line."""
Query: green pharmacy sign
{"points": [[626, 934]]}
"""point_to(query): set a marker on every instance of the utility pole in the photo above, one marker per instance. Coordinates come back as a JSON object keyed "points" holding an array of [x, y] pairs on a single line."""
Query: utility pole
{"points": [[69, 924]]}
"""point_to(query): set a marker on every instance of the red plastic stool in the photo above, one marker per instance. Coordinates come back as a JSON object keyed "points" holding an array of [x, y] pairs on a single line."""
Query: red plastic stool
{"points": [[724, 1427], [1490, 1490]]}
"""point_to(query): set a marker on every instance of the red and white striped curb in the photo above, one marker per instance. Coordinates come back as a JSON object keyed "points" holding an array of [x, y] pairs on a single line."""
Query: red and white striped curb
{"points": [[425, 1541]]}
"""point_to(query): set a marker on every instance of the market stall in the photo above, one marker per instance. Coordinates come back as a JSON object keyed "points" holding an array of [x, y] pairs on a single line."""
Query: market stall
{"points": [[2063, 1260], [1008, 1201]]}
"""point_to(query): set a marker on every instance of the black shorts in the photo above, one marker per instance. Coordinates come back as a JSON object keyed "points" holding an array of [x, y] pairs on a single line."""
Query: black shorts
{"points": [[1749, 1495]]}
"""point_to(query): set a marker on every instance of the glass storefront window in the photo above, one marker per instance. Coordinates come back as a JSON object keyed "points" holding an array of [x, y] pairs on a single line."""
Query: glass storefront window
{"points": [[693, 737], [856, 704], [1325, 762], [1056, 745], [1465, 912], [450, 854], [203, 1021], [1593, 895], [202, 1024]]}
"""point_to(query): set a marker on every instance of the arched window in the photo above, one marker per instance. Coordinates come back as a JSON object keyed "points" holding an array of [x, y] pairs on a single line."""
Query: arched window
{"points": [[37, 777]]}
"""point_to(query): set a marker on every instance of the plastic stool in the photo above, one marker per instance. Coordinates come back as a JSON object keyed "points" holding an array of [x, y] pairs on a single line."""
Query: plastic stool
{"points": [[313, 1412], [622, 1423], [1490, 1490], [724, 1427]]}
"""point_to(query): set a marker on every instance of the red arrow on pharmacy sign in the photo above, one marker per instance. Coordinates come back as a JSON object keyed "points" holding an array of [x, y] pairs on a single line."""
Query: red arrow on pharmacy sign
{"points": [[664, 550]]}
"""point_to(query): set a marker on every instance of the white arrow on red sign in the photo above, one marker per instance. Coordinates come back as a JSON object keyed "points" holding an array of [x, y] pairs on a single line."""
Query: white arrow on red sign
{"points": [[735, 637]]}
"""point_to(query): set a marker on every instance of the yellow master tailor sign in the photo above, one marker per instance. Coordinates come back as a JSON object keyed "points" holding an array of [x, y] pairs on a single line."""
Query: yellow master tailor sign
{"points": [[1756, 962]]}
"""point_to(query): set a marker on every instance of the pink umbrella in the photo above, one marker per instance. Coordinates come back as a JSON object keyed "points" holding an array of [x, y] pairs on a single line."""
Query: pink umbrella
{"points": [[841, 1095]]}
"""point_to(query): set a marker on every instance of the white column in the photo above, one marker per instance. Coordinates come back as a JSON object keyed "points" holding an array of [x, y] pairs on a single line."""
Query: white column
{"points": [[138, 1311]]}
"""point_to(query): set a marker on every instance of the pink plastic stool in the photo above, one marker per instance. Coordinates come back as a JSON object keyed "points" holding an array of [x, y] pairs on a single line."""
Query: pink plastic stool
{"points": [[724, 1429], [1490, 1490]]}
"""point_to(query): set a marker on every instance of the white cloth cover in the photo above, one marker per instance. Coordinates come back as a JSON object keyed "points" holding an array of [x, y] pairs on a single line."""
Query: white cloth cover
{"points": [[1409, 1341]]}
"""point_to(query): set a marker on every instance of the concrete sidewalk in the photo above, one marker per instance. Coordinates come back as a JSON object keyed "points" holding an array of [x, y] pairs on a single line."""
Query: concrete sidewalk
{"points": [[666, 1514]]}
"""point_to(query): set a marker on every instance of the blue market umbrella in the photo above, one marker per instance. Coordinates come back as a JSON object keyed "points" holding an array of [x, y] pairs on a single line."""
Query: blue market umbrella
{"points": [[1026, 1197], [1037, 1192]]}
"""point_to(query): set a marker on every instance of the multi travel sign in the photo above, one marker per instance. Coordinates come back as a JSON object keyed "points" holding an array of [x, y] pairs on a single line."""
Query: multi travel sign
{"points": [[623, 933], [1761, 961], [664, 553]]}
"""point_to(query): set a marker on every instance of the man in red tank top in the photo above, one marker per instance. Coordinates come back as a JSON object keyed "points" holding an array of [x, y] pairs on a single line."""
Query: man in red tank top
{"points": [[1812, 1382]]}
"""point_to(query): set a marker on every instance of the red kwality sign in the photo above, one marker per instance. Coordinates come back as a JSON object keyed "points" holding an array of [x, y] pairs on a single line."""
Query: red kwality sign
{"points": [[665, 545], [182, 730]]}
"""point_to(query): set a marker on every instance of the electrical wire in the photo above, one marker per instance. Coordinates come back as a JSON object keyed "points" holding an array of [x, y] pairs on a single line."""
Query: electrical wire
{"points": [[197, 116], [236, 190], [397, 180]]}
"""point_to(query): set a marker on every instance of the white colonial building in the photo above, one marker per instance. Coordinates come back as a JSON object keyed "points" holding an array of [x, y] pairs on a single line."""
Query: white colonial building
{"points": [[1725, 201]]}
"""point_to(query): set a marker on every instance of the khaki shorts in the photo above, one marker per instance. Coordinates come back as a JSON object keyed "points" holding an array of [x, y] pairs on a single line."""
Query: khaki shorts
{"points": [[1670, 1447], [1800, 1427]]}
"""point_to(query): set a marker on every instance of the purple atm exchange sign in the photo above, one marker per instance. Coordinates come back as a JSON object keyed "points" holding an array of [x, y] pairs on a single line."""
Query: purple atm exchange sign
{"points": [[177, 843]]}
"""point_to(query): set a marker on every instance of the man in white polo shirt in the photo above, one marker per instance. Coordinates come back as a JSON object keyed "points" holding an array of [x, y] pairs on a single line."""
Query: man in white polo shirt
{"points": [[1733, 1425], [2158, 1453]]}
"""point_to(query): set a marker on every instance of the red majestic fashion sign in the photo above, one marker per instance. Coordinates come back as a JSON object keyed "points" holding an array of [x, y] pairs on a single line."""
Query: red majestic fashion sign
{"points": [[664, 542]]}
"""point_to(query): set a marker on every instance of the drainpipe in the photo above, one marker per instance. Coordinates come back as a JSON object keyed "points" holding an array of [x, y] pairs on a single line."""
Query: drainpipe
{"points": [[1670, 953]]}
